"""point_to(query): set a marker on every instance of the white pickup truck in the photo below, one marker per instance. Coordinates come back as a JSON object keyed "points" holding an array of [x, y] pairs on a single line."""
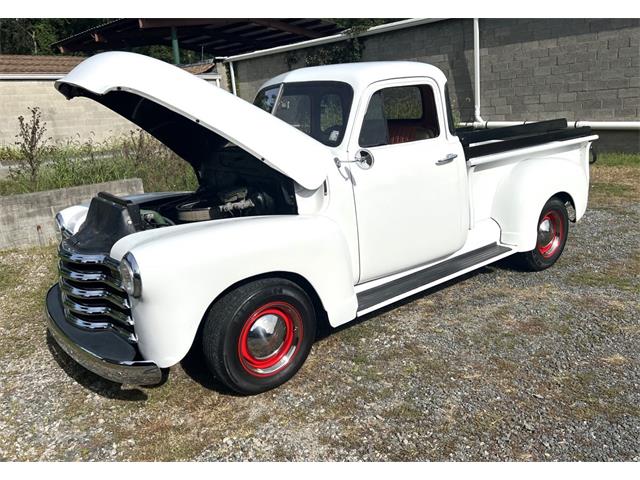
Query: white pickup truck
{"points": [[341, 190]]}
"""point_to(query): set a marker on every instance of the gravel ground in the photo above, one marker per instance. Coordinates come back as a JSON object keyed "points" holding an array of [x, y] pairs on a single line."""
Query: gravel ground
{"points": [[498, 365]]}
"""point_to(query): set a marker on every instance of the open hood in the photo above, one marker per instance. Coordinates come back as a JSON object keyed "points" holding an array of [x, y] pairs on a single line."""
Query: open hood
{"points": [[193, 117]]}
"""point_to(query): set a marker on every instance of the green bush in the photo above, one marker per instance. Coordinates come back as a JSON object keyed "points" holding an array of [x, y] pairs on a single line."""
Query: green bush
{"points": [[76, 162]]}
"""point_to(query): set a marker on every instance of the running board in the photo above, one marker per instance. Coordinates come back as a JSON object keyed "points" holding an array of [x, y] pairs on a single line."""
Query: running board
{"points": [[404, 286]]}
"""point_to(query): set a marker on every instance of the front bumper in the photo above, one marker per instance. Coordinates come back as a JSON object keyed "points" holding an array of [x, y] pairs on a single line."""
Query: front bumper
{"points": [[103, 352]]}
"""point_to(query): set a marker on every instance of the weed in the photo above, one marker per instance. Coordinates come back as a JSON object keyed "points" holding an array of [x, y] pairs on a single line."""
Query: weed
{"points": [[32, 146]]}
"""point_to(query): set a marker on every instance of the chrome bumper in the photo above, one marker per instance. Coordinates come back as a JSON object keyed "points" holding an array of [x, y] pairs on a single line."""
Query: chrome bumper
{"points": [[105, 353]]}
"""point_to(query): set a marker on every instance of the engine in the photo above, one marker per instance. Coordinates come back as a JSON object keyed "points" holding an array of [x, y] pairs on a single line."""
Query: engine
{"points": [[209, 205], [237, 202]]}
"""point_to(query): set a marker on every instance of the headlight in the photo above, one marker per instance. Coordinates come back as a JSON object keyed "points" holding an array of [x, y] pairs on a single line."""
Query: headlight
{"points": [[130, 275]]}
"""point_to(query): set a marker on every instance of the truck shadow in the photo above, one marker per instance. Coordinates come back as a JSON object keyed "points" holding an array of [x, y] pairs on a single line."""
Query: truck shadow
{"points": [[194, 364], [90, 380], [325, 330]]}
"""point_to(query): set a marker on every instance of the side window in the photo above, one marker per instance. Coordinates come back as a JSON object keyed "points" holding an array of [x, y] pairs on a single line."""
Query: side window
{"points": [[296, 111], [400, 115]]}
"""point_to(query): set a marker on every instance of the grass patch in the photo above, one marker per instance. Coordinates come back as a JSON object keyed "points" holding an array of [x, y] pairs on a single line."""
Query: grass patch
{"points": [[25, 276], [9, 275], [604, 279], [619, 159], [623, 276], [606, 189], [615, 181], [590, 398]]}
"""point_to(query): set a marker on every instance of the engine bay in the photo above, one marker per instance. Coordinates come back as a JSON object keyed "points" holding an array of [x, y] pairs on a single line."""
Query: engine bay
{"points": [[232, 184]]}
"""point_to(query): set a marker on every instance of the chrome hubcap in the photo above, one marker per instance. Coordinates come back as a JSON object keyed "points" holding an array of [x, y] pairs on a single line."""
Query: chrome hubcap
{"points": [[266, 336], [270, 338], [550, 234], [545, 232]]}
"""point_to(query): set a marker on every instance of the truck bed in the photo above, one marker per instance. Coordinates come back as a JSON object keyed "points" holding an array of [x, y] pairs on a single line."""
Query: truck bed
{"points": [[488, 141]]}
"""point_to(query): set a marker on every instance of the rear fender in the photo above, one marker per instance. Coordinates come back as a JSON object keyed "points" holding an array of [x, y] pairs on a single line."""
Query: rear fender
{"points": [[523, 193]]}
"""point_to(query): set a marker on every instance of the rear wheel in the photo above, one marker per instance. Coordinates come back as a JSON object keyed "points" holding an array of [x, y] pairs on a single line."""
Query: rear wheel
{"points": [[553, 227], [257, 336]]}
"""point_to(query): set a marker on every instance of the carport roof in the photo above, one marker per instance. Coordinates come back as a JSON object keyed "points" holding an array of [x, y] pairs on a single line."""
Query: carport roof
{"points": [[217, 36]]}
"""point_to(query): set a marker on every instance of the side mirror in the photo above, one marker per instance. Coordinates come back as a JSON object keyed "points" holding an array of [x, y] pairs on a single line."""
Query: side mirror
{"points": [[364, 159]]}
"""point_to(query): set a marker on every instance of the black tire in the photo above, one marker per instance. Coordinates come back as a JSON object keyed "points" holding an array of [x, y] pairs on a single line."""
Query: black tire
{"points": [[227, 335], [548, 247]]}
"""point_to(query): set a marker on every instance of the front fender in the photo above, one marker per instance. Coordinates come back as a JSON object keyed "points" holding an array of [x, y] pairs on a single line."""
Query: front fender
{"points": [[184, 268], [522, 194]]}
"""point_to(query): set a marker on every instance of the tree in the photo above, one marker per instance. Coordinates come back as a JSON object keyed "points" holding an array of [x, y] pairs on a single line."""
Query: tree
{"points": [[343, 52], [34, 36]]}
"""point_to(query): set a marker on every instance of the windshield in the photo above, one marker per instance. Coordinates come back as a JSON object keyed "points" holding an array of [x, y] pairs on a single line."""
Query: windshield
{"points": [[319, 109]]}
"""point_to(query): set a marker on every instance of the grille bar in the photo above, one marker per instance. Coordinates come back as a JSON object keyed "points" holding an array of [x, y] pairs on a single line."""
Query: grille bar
{"points": [[92, 293], [97, 311], [92, 276], [100, 326], [82, 259]]}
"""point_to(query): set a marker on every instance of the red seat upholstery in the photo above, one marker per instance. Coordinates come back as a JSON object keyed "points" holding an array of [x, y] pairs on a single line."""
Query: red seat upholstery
{"points": [[405, 131], [400, 133]]}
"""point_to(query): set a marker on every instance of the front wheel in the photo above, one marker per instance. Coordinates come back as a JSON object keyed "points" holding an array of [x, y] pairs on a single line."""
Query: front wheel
{"points": [[553, 227], [257, 336]]}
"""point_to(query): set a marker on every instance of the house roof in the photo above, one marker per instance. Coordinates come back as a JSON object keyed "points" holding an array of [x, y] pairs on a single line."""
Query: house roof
{"points": [[54, 65], [37, 64], [200, 68]]}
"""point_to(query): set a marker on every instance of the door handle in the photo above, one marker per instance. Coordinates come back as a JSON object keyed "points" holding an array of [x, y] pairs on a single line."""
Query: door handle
{"points": [[448, 159]]}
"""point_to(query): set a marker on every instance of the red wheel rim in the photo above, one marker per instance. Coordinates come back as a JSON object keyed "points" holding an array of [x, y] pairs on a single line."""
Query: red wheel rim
{"points": [[550, 233], [270, 338]]}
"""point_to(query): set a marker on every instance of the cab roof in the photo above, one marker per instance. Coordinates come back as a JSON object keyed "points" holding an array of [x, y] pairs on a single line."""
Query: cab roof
{"points": [[360, 75]]}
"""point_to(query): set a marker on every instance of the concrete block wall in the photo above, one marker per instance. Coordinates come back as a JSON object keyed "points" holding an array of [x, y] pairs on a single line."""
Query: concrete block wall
{"points": [[531, 69], [582, 69], [76, 118], [28, 219]]}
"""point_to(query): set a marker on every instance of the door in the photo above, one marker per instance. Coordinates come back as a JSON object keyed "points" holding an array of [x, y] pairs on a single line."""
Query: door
{"points": [[411, 202]]}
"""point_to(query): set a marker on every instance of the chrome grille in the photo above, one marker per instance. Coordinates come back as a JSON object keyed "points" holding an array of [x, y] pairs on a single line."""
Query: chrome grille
{"points": [[92, 294]]}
